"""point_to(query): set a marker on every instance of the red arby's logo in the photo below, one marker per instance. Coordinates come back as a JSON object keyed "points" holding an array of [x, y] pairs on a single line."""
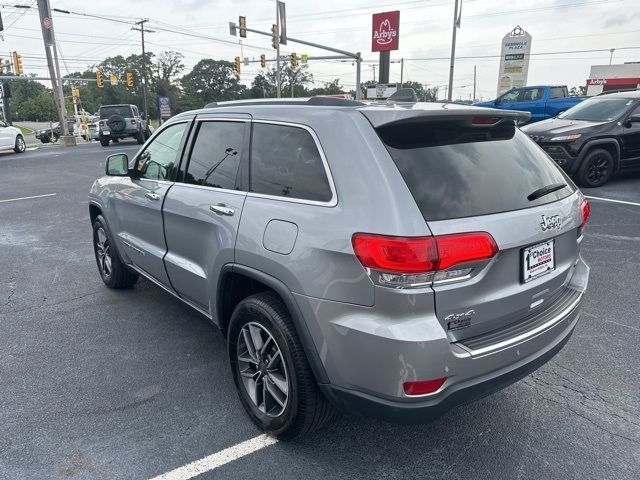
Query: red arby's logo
{"points": [[385, 31]]}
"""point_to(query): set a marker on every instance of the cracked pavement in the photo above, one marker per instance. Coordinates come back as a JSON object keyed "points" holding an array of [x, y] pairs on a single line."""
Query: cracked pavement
{"points": [[99, 384]]}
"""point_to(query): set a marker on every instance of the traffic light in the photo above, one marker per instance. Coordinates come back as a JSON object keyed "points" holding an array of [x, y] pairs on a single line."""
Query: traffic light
{"points": [[236, 65], [275, 37], [100, 78], [129, 79], [242, 21], [75, 93], [263, 60], [17, 63], [294, 60]]}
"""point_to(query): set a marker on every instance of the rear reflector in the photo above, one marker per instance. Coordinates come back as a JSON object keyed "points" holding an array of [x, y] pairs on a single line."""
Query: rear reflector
{"points": [[585, 211], [422, 254], [423, 387]]}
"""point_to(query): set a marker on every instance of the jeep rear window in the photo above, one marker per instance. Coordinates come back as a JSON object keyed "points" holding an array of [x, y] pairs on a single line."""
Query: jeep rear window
{"points": [[122, 110], [455, 170]]}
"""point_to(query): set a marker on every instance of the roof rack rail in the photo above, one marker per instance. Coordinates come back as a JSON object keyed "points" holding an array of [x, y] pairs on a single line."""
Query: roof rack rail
{"points": [[313, 101], [618, 91]]}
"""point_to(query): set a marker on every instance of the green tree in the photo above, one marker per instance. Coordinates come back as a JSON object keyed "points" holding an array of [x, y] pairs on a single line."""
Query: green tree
{"points": [[330, 88], [32, 101], [211, 81], [579, 91], [264, 84]]}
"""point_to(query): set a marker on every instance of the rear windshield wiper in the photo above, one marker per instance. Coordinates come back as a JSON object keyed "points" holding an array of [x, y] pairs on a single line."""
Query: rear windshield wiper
{"points": [[541, 192]]}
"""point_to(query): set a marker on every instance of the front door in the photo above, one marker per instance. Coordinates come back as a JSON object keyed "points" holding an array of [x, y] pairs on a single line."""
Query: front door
{"points": [[202, 212], [139, 201], [631, 142]]}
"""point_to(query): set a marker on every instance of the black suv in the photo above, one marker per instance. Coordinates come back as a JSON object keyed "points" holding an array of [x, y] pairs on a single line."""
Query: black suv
{"points": [[122, 121], [594, 139]]}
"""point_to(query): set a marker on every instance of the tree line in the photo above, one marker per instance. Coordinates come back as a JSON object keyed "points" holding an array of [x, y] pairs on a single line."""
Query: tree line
{"points": [[208, 81]]}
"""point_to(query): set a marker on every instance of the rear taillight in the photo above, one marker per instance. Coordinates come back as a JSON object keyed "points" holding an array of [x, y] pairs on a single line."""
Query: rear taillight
{"points": [[416, 261], [423, 387], [133, 121], [101, 123], [585, 212]]}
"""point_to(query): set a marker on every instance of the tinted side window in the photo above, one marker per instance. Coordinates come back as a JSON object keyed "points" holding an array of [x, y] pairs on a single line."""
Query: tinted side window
{"points": [[530, 95], [510, 97], [216, 154], [285, 161], [557, 92], [159, 161]]}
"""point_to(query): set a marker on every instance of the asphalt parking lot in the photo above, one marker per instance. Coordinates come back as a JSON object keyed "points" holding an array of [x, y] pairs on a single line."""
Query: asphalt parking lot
{"points": [[97, 384]]}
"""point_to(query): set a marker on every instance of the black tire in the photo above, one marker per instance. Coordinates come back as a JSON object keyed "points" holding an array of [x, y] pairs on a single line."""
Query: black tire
{"points": [[140, 137], [104, 141], [20, 145], [596, 168], [44, 139], [114, 274], [306, 409]]}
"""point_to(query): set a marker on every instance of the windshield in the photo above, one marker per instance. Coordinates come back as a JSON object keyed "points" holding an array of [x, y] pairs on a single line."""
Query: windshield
{"points": [[122, 110], [599, 109]]}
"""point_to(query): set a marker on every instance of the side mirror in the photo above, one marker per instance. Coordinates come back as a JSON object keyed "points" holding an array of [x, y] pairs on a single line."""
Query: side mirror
{"points": [[634, 118], [117, 165], [143, 116]]}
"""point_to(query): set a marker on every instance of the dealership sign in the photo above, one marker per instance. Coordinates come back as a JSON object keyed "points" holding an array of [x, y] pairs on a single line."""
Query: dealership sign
{"points": [[385, 33], [514, 60]]}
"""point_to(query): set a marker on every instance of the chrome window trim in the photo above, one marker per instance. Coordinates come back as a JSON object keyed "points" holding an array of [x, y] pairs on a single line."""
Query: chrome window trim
{"points": [[327, 170], [209, 189]]}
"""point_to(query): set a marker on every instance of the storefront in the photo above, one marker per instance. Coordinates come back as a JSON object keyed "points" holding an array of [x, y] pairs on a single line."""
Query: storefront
{"points": [[608, 78]]}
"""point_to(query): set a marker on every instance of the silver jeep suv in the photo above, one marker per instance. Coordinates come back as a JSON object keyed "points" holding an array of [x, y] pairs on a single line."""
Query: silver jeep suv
{"points": [[394, 260]]}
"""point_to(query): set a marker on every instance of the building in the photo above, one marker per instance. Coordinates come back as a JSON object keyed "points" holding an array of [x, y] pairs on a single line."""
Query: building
{"points": [[607, 78]]}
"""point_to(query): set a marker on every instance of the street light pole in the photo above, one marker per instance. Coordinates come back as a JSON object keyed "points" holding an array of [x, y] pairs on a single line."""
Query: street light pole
{"points": [[456, 25], [278, 79]]}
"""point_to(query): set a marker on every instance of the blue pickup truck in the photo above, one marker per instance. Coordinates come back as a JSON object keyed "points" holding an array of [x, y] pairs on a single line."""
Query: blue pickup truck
{"points": [[542, 101]]}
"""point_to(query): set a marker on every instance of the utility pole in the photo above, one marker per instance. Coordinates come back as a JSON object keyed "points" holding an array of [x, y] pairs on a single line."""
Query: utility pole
{"points": [[278, 79], [48, 37], [456, 25], [474, 82], [374, 72], [142, 31], [401, 70]]}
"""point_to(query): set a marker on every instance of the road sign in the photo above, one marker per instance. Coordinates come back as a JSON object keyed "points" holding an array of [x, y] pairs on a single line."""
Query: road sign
{"points": [[282, 17], [514, 60], [164, 107], [304, 58], [385, 31], [381, 91], [113, 80]]}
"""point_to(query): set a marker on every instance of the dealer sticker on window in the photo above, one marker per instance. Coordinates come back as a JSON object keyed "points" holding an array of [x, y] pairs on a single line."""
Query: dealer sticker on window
{"points": [[538, 260]]}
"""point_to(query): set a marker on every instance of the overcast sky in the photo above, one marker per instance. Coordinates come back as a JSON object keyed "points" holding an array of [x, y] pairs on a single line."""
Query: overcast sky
{"points": [[425, 32]]}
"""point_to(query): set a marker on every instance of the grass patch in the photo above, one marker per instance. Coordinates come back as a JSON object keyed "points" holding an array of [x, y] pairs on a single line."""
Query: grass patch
{"points": [[24, 130]]}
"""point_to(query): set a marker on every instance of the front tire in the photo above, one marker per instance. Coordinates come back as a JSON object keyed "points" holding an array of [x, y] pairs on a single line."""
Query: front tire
{"points": [[20, 145], [113, 272], [596, 169], [271, 372]]}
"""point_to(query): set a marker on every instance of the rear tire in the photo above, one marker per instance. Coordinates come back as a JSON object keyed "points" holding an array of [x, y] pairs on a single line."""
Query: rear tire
{"points": [[104, 141], [113, 272], [296, 406], [20, 145], [596, 168]]}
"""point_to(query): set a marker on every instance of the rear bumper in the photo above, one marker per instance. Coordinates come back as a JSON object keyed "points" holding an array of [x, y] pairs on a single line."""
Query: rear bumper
{"points": [[433, 407]]}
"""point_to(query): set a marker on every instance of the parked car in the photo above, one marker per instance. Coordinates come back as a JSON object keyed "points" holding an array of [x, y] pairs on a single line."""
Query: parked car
{"points": [[121, 121], [542, 101], [352, 255], [594, 139], [11, 137], [52, 134]]}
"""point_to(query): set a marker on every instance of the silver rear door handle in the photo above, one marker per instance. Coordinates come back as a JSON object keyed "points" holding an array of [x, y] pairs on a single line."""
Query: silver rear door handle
{"points": [[152, 196], [222, 209]]}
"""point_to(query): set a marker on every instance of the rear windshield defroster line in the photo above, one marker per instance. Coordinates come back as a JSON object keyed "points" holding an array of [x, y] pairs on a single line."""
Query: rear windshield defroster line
{"points": [[456, 170]]}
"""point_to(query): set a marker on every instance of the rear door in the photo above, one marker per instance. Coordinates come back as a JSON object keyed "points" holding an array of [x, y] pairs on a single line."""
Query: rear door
{"points": [[468, 177], [202, 211], [138, 200]]}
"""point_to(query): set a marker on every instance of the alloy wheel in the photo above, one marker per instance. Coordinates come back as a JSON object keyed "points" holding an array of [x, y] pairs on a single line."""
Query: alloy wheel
{"points": [[262, 369], [598, 169], [103, 252], [21, 145]]}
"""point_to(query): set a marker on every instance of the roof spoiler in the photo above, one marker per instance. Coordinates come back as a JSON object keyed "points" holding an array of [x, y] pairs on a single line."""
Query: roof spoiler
{"points": [[481, 117]]}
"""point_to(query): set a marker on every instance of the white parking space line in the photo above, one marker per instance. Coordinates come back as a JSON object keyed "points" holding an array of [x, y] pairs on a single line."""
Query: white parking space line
{"points": [[624, 202], [27, 198], [218, 459]]}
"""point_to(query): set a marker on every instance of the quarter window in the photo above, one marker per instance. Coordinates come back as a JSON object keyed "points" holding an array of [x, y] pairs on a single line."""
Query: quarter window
{"points": [[216, 154], [557, 92], [285, 162], [159, 161]]}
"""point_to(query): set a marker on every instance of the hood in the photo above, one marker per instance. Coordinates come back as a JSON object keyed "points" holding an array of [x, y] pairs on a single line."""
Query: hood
{"points": [[560, 126]]}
